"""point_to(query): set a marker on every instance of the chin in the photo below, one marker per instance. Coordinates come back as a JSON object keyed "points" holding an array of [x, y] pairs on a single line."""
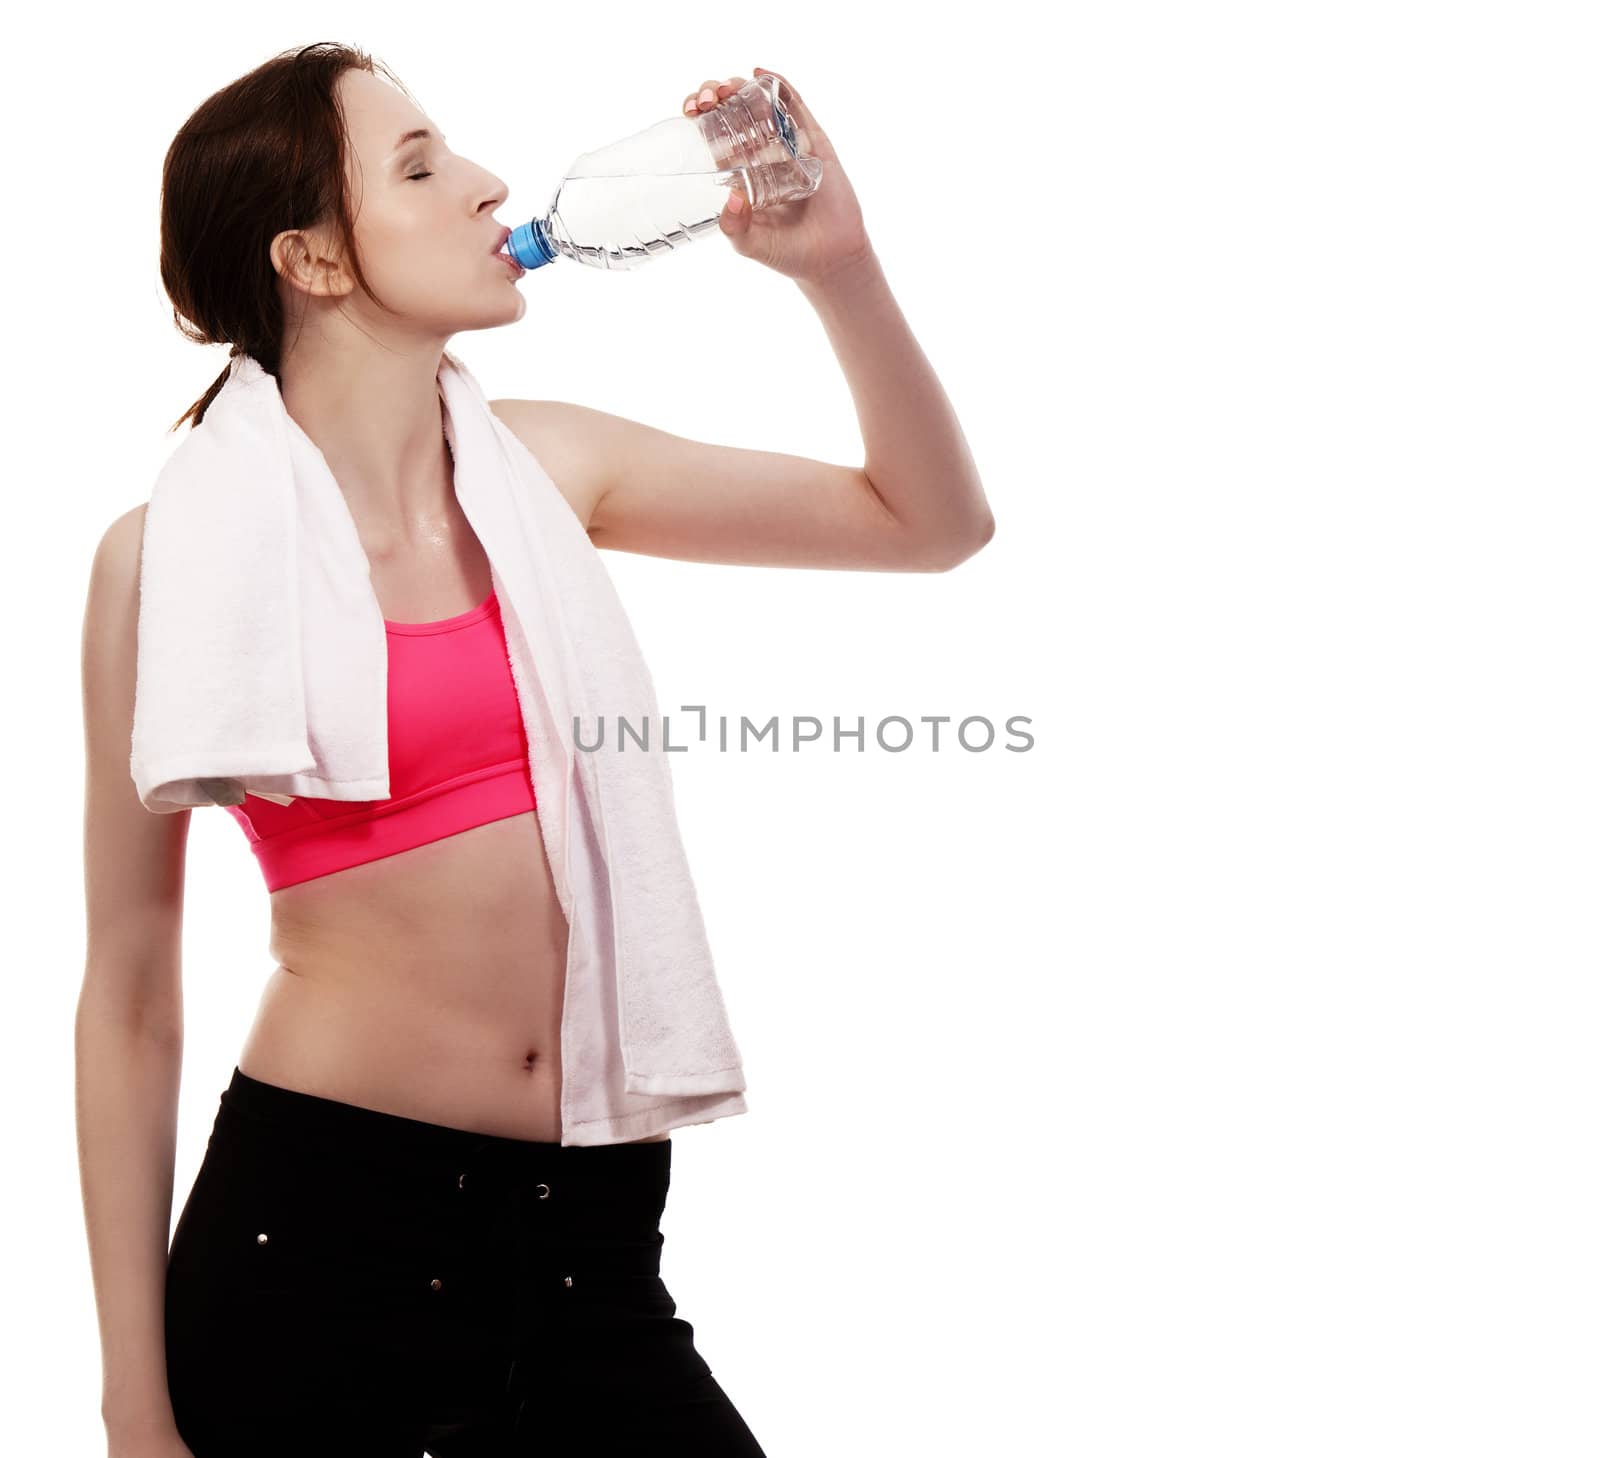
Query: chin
{"points": [[510, 303], [518, 308], [507, 311]]}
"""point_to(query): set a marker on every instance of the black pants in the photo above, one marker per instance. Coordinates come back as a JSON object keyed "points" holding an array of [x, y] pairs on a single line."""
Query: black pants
{"points": [[347, 1281]]}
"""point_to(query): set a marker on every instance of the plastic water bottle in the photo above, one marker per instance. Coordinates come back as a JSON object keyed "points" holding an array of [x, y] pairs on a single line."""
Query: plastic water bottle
{"points": [[661, 188]]}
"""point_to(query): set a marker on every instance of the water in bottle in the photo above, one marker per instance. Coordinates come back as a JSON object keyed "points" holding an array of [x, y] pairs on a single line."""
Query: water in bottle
{"points": [[654, 192]]}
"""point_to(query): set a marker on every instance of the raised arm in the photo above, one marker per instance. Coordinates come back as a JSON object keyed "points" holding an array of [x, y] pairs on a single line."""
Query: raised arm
{"points": [[129, 1029], [915, 505]]}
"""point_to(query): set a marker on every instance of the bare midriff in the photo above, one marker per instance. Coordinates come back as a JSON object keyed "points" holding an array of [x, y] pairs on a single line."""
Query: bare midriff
{"points": [[427, 984]]}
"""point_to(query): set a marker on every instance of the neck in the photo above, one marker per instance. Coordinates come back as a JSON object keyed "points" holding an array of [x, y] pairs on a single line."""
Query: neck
{"points": [[376, 416]]}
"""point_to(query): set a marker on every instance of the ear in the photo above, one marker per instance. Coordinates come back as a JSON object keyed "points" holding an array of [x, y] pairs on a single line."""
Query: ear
{"points": [[306, 260]]}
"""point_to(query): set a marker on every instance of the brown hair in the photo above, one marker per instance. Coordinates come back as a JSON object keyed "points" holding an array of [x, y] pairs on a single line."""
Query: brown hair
{"points": [[265, 153]]}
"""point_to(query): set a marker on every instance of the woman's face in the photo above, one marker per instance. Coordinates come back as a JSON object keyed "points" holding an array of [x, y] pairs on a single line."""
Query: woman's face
{"points": [[424, 221]]}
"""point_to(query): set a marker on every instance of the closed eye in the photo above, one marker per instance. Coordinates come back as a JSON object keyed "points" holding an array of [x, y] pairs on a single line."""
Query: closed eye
{"points": [[418, 176]]}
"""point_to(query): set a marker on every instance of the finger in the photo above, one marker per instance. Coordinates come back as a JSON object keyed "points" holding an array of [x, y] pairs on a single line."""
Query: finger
{"points": [[711, 94], [735, 217]]}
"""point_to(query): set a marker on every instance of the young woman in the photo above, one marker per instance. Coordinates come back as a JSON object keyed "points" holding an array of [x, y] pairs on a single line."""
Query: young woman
{"points": [[388, 1250]]}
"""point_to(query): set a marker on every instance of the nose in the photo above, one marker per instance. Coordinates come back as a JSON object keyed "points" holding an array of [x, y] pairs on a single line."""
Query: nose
{"points": [[497, 195]]}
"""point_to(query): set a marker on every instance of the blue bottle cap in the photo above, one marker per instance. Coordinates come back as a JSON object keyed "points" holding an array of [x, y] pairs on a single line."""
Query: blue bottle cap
{"points": [[529, 245]]}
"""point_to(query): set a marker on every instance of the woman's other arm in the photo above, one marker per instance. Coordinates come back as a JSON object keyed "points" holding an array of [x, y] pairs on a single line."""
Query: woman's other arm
{"points": [[129, 1028]]}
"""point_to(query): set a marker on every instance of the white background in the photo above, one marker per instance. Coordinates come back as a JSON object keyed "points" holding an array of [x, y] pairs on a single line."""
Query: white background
{"points": [[1217, 1077]]}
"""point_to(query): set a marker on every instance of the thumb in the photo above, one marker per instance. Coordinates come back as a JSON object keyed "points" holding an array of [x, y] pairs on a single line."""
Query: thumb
{"points": [[735, 219]]}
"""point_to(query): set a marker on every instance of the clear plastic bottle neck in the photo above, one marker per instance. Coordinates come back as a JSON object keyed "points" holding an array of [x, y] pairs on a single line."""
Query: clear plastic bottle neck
{"points": [[530, 244]]}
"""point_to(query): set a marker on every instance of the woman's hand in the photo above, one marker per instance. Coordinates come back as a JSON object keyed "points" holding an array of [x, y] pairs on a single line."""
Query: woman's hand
{"points": [[810, 238]]}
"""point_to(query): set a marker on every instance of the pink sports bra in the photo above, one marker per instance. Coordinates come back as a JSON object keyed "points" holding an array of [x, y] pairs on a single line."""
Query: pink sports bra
{"points": [[458, 757]]}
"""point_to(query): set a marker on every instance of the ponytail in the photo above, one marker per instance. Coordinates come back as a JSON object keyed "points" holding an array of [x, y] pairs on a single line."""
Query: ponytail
{"points": [[197, 412]]}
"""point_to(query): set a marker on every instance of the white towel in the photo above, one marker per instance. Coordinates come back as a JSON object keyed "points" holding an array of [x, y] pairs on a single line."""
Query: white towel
{"points": [[263, 667]]}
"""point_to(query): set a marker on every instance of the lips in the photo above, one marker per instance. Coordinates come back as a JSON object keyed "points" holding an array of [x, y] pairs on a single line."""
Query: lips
{"points": [[500, 242]]}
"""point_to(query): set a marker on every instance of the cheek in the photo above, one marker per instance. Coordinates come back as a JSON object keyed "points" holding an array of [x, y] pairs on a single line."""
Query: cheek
{"points": [[403, 251]]}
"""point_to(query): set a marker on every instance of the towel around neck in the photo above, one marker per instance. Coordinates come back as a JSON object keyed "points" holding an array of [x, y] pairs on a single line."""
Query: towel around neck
{"points": [[262, 668]]}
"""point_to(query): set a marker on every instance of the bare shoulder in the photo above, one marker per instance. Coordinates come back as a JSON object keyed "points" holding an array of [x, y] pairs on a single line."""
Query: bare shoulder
{"points": [[133, 859], [116, 558], [111, 623], [111, 611], [568, 441]]}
